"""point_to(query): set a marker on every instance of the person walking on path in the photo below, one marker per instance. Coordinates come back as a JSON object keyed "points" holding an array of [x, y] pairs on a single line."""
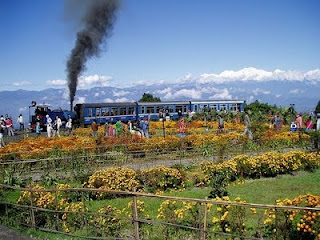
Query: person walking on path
{"points": [[21, 122], [309, 124], [247, 124], [94, 127]]}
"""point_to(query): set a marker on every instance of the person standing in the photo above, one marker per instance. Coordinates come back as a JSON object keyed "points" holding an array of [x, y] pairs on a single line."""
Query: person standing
{"points": [[2, 127], [9, 126], [106, 129], [21, 123], [118, 127], [247, 123], [59, 124], [309, 124], [69, 126], [299, 122], [145, 127], [38, 129], [182, 127], [94, 127], [49, 125]]}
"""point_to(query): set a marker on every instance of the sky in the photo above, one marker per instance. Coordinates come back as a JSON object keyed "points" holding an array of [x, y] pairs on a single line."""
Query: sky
{"points": [[159, 40]]}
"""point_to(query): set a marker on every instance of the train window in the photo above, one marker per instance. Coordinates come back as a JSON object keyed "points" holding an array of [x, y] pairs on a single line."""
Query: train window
{"points": [[98, 113], [158, 109], [142, 110], [105, 112], [179, 108], [196, 108], [214, 107], [184, 108], [114, 111], [223, 107], [171, 109], [131, 110], [233, 107], [89, 112], [123, 111], [150, 109]]}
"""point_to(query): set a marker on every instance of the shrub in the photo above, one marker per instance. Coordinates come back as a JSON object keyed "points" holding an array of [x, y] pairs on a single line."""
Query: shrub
{"points": [[162, 178], [121, 179]]}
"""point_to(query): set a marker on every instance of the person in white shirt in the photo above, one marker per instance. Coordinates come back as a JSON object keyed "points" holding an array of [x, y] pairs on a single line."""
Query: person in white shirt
{"points": [[49, 125], [20, 121], [59, 123]]}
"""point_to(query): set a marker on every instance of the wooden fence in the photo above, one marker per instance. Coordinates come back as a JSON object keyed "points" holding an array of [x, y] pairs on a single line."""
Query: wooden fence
{"points": [[202, 231]]}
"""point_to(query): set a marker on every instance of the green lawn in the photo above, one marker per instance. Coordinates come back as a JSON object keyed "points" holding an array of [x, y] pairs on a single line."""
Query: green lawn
{"points": [[264, 191]]}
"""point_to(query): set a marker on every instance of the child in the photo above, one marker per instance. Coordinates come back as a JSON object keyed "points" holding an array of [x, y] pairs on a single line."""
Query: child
{"points": [[38, 129]]}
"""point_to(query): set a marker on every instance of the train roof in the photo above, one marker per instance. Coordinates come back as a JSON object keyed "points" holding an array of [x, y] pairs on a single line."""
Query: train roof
{"points": [[216, 101], [118, 104], [164, 103]]}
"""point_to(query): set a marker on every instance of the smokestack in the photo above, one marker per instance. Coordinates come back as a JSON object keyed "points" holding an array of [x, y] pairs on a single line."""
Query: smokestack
{"points": [[97, 26], [71, 106]]}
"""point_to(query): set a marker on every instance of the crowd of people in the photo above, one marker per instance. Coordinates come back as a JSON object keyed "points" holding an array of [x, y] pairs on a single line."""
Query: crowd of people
{"points": [[141, 127], [6, 127], [119, 128]]}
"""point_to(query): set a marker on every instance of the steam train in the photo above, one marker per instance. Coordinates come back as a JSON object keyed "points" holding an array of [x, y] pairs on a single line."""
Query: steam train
{"points": [[85, 113]]}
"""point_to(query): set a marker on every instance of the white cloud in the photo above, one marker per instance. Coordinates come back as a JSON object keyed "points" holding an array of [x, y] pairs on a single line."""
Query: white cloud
{"points": [[120, 93], [81, 100], [94, 80], [164, 91], [57, 82], [223, 94], [22, 83], [22, 109], [278, 95], [97, 94], [107, 100], [84, 81], [254, 74], [258, 91], [184, 93], [123, 99]]}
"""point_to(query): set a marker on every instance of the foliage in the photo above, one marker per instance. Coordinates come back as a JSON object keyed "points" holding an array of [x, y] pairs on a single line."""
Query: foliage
{"points": [[147, 97], [161, 178], [294, 224], [122, 179]]}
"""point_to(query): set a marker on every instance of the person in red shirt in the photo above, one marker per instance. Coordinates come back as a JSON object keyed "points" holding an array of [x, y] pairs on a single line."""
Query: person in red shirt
{"points": [[309, 124], [9, 127]]}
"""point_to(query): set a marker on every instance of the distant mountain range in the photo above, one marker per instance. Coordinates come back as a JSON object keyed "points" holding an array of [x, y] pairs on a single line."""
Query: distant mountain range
{"points": [[304, 94]]}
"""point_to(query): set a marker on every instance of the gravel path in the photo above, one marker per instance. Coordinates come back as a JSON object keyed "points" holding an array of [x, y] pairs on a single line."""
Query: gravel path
{"points": [[9, 234]]}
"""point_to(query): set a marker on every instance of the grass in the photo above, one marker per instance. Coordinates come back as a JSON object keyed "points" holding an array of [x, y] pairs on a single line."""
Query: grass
{"points": [[264, 191]]}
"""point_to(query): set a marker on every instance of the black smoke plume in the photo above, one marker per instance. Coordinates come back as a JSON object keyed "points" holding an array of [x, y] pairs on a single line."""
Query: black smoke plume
{"points": [[98, 20]]}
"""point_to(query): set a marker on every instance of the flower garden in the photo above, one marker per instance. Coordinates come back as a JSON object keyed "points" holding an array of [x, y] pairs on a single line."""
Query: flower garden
{"points": [[102, 187]]}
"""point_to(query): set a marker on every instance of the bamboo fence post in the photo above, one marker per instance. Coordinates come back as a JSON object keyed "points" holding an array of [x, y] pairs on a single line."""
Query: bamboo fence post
{"points": [[205, 220], [33, 220], [135, 217], [276, 223], [57, 214]]}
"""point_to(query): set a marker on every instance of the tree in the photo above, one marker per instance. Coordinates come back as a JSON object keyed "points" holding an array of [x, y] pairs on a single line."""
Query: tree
{"points": [[318, 108], [147, 97]]}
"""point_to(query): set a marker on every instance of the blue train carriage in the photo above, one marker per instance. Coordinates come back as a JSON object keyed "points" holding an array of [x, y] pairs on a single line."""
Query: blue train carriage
{"points": [[218, 105], [105, 112], [151, 110]]}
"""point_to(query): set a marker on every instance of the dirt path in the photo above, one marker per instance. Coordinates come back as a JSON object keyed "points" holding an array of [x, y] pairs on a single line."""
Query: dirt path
{"points": [[9, 234]]}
